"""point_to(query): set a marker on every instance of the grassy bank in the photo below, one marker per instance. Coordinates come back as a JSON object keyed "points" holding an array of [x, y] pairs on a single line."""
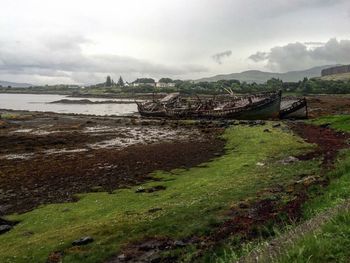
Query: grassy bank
{"points": [[193, 202], [331, 242], [337, 122]]}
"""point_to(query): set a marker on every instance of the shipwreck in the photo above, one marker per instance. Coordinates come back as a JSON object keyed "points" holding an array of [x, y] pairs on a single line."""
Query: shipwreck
{"points": [[267, 105]]}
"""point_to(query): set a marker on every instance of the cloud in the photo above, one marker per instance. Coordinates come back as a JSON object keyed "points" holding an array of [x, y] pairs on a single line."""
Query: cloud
{"points": [[279, 8], [63, 59], [219, 56], [294, 56], [259, 56], [314, 43]]}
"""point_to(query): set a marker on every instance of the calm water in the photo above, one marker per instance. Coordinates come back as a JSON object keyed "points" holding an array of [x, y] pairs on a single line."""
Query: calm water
{"points": [[33, 102]]}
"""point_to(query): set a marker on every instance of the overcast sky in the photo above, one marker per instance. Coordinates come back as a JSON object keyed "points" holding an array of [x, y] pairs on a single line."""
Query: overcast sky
{"points": [[81, 41]]}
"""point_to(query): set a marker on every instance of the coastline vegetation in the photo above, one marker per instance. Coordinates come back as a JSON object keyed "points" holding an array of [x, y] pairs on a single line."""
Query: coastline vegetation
{"points": [[120, 89]]}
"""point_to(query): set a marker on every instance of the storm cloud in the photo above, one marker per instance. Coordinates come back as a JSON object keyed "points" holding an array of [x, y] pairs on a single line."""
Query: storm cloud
{"points": [[64, 41], [298, 55], [220, 56], [64, 61]]}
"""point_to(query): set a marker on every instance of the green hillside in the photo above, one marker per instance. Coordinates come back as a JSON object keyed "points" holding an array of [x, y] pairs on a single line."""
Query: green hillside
{"points": [[261, 76]]}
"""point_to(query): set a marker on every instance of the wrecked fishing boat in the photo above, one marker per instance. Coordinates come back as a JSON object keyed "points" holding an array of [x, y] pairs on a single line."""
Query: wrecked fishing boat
{"points": [[257, 106], [293, 108]]}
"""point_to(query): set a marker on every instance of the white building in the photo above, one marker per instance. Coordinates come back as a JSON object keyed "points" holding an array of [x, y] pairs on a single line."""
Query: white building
{"points": [[137, 84], [165, 85]]}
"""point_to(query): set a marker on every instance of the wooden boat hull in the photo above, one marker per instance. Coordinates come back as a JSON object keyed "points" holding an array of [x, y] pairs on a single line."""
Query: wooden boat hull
{"points": [[297, 110], [269, 108]]}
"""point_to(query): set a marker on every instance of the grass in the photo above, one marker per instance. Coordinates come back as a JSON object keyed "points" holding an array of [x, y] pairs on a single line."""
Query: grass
{"points": [[337, 122], [331, 243], [13, 116], [194, 201]]}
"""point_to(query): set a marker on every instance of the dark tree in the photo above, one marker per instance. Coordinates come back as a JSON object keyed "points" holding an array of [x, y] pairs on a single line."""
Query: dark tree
{"points": [[120, 82], [108, 81], [165, 80]]}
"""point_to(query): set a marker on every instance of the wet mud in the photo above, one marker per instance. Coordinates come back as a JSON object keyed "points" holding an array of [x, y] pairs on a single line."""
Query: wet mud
{"points": [[51, 158]]}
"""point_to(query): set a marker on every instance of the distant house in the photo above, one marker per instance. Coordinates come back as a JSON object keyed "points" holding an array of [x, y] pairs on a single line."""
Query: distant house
{"points": [[144, 82], [165, 85]]}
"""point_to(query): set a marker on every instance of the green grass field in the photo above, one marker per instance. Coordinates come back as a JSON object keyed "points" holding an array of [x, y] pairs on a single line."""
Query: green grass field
{"points": [[331, 243], [194, 201], [337, 122]]}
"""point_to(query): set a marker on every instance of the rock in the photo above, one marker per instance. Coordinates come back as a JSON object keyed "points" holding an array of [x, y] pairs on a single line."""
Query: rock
{"points": [[325, 125], [97, 189], [290, 188], [3, 208], [3, 124], [5, 228], [243, 122], [140, 190], [267, 130], [153, 210], [307, 181], [122, 257], [243, 205], [276, 125], [28, 233], [179, 243], [150, 190], [83, 241], [260, 164], [260, 122], [288, 160]]}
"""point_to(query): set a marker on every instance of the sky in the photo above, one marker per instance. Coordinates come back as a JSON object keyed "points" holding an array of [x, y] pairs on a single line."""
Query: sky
{"points": [[83, 41]]}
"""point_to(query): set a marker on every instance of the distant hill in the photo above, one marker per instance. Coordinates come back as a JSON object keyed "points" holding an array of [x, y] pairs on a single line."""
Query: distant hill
{"points": [[14, 84], [335, 70], [261, 76], [339, 76]]}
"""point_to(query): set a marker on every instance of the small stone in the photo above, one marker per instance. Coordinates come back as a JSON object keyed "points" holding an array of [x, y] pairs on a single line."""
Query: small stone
{"points": [[83, 241], [325, 125], [5, 228], [307, 181], [122, 257], [260, 164], [259, 122], [153, 210], [179, 243], [288, 160], [276, 125], [267, 130], [243, 205], [140, 190]]}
